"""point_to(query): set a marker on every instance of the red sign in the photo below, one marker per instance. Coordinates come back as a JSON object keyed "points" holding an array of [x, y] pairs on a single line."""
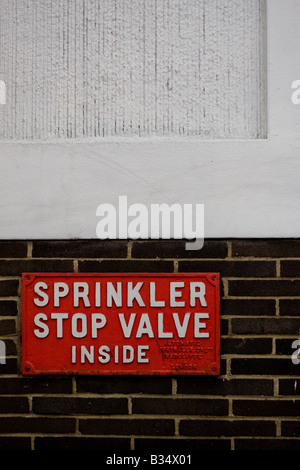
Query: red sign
{"points": [[121, 324]]}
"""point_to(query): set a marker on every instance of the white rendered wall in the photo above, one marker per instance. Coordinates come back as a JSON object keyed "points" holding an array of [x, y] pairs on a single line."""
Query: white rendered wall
{"points": [[250, 187], [114, 68]]}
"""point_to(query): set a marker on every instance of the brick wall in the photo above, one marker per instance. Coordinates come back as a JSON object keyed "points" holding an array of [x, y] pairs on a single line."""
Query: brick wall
{"points": [[254, 404]]}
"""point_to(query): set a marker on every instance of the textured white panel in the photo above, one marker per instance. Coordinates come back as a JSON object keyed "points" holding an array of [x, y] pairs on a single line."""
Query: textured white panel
{"points": [[114, 68]]}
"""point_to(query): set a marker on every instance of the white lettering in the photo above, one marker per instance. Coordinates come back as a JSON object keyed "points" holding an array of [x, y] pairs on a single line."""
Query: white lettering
{"points": [[199, 325], [61, 289], [79, 333], [59, 317], [37, 289], [104, 356], [98, 294], [45, 329], [98, 322], [127, 328], [145, 327], [81, 291], [200, 294], [153, 301], [125, 354], [114, 295], [181, 328], [87, 354], [73, 354], [174, 294], [133, 294], [160, 325], [141, 354], [128, 354]]}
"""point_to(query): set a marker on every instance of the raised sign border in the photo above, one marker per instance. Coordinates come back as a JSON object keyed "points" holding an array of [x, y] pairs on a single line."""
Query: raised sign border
{"points": [[213, 369]]}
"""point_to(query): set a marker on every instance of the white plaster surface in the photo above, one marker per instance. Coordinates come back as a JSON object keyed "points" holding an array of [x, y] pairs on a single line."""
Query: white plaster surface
{"points": [[102, 68]]}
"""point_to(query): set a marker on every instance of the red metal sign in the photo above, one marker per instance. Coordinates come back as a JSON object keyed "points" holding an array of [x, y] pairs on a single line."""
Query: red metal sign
{"points": [[121, 324]]}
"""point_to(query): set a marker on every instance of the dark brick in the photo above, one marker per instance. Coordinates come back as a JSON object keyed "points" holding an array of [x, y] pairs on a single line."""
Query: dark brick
{"points": [[14, 405], [76, 405], [226, 428], [80, 249], [123, 427], [177, 445], [37, 425], [179, 406], [284, 346], [125, 266], [231, 268], [289, 387], [262, 366], [223, 366], [224, 326], [264, 288], [7, 327], [125, 384], [13, 249], [290, 268], [267, 444], [15, 443], [246, 346], [29, 385], [9, 288], [10, 367], [176, 249], [11, 348], [17, 267], [8, 308], [248, 307], [82, 443], [271, 248], [265, 326], [289, 307], [223, 387], [266, 407], [290, 428]]}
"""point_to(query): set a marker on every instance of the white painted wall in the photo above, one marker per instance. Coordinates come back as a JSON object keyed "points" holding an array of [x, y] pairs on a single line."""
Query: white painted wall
{"points": [[250, 188]]}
